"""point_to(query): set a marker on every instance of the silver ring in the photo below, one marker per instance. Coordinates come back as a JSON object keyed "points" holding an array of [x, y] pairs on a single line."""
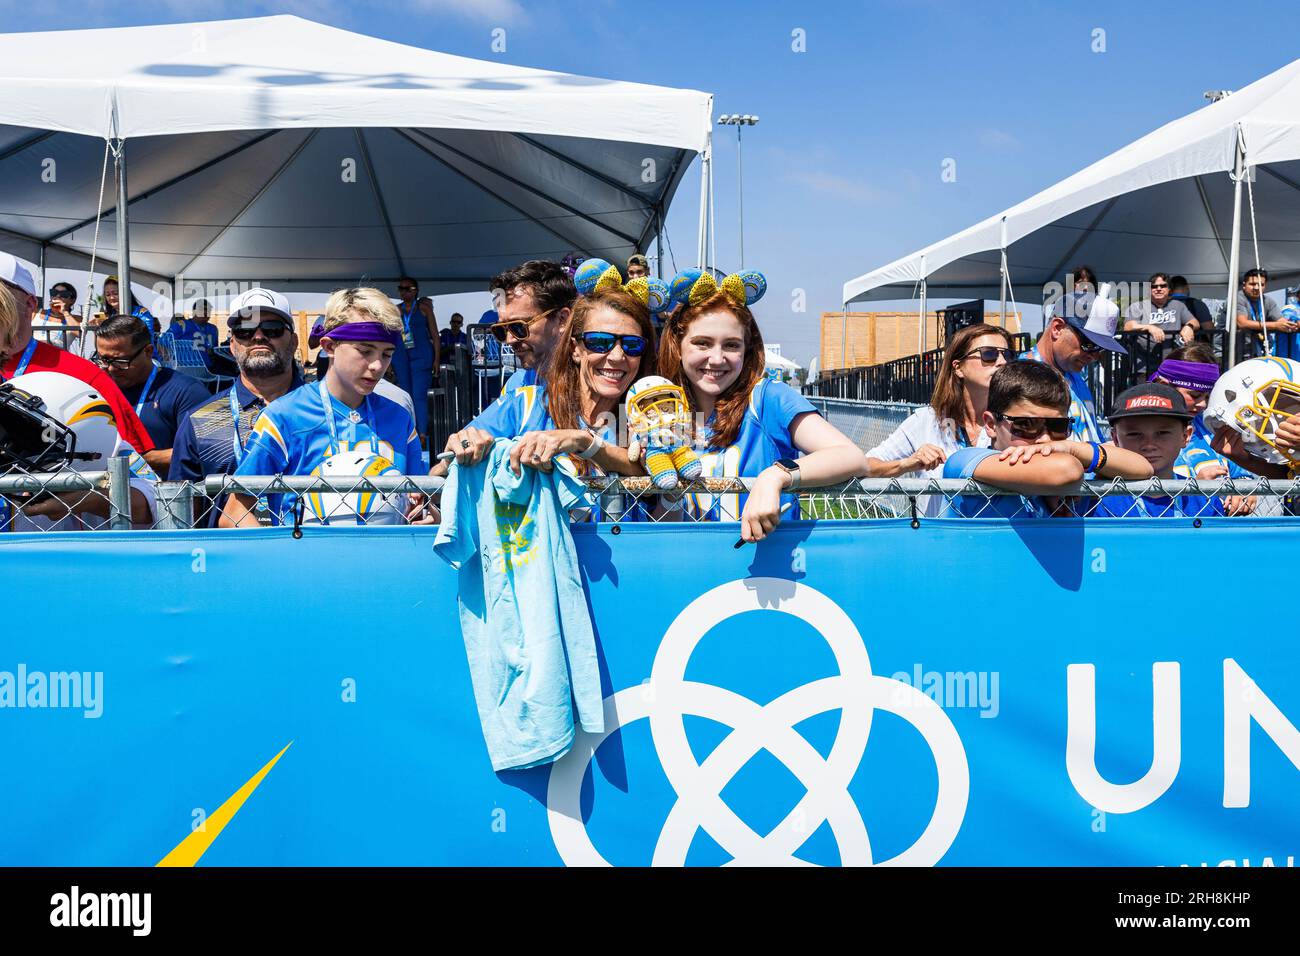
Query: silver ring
{"points": [[464, 443]]}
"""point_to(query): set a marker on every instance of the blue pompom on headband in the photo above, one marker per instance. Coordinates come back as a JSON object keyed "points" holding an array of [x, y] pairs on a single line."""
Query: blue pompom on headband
{"points": [[596, 274], [693, 286]]}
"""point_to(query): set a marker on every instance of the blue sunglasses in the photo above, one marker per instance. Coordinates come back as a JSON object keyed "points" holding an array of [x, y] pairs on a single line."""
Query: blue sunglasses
{"points": [[603, 342]]}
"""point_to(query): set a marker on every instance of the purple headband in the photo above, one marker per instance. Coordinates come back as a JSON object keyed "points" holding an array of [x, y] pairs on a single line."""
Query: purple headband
{"points": [[1197, 376], [362, 332]]}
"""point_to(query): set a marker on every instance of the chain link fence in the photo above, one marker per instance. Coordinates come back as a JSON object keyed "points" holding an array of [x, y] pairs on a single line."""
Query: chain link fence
{"points": [[95, 500], [866, 423]]}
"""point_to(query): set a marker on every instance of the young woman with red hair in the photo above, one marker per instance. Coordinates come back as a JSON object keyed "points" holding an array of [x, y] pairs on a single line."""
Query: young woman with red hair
{"points": [[747, 425]]}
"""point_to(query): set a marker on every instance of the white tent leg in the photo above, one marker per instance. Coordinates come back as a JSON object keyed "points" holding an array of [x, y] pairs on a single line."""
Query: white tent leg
{"points": [[844, 337], [1234, 260], [123, 232], [920, 325], [1002, 307], [702, 248]]}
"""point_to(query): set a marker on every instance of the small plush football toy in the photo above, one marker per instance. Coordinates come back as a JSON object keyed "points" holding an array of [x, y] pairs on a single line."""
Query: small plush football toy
{"points": [[659, 418]]}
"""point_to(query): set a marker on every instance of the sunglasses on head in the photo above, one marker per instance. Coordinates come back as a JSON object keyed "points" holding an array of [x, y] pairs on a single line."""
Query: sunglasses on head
{"points": [[272, 330], [518, 328], [989, 354], [1032, 426], [603, 342]]}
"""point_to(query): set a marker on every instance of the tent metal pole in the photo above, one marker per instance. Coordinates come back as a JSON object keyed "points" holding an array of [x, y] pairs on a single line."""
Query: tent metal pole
{"points": [[659, 241], [713, 233], [702, 248], [844, 337], [1002, 268], [42, 264], [1234, 258], [123, 232], [920, 319]]}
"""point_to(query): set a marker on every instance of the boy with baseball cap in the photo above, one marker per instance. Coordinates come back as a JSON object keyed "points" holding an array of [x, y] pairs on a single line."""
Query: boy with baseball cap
{"points": [[1154, 421]]}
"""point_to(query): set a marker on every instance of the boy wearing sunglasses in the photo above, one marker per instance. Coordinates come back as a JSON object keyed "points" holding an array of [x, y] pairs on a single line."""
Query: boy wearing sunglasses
{"points": [[1153, 421], [1029, 425]]}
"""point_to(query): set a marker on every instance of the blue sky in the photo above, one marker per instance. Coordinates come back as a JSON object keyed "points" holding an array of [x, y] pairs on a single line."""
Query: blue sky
{"points": [[843, 173]]}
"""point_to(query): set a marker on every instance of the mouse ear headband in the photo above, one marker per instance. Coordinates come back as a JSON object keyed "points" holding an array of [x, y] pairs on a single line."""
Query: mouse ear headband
{"points": [[693, 286], [597, 274]]}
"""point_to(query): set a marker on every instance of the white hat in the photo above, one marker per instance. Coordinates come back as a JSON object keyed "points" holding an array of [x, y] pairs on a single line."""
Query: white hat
{"points": [[15, 273], [265, 300]]}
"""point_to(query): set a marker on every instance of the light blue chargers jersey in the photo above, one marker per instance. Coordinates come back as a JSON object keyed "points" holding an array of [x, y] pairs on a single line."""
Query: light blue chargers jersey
{"points": [[962, 464], [523, 612], [1084, 424], [292, 436]]}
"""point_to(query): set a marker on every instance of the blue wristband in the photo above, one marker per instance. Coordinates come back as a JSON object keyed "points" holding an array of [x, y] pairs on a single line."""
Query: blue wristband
{"points": [[1096, 456]]}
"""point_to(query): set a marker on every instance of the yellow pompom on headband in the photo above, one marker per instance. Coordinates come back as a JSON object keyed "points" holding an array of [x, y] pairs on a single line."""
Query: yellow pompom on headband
{"points": [[597, 274], [693, 286]]}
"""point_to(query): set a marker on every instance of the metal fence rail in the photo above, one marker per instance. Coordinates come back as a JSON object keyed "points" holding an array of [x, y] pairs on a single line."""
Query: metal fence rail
{"points": [[294, 501]]}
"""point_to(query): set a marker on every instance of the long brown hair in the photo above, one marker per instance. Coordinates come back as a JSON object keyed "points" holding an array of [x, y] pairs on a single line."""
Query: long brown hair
{"points": [[563, 375], [949, 397], [729, 412]]}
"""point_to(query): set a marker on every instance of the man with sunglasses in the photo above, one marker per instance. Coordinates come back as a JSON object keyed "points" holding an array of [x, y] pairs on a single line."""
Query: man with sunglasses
{"points": [[211, 440], [1161, 316], [20, 353], [161, 397], [534, 302], [1082, 326], [1029, 426]]}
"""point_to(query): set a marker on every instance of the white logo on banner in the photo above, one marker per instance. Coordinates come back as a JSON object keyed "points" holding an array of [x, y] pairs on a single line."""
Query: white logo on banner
{"points": [[855, 691]]}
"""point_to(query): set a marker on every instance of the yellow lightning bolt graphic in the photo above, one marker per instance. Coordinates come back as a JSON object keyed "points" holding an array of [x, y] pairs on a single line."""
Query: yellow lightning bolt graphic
{"points": [[188, 851]]}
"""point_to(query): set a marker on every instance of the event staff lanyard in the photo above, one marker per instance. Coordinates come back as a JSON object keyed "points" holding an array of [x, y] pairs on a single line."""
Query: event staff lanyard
{"points": [[328, 402], [26, 357], [148, 384], [408, 337], [234, 421]]}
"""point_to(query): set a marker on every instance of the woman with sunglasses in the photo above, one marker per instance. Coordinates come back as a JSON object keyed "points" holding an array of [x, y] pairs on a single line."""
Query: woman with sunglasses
{"points": [[62, 297], [747, 425], [1028, 424], [955, 416], [607, 345]]}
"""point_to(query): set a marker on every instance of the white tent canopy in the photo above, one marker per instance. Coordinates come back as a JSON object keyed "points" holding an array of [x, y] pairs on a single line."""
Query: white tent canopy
{"points": [[1163, 203], [280, 150]]}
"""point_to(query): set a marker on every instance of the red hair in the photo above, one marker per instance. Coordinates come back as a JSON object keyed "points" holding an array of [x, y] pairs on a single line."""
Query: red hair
{"points": [[729, 411]]}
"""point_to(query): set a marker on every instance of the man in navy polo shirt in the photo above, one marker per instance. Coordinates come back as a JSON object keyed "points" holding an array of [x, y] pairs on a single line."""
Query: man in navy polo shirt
{"points": [[262, 340], [161, 397]]}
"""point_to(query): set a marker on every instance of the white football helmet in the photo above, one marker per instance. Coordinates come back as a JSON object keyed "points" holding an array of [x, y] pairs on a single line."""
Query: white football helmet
{"points": [[71, 424], [1252, 398], [354, 507]]}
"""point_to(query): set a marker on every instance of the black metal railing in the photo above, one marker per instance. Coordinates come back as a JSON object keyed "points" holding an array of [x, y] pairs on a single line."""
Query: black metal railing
{"points": [[912, 378]]}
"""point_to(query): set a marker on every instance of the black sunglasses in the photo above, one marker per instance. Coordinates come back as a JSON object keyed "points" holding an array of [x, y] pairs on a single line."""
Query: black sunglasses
{"points": [[407, 288], [518, 328], [989, 354], [120, 363], [1030, 427], [603, 342], [1085, 343], [62, 294], [272, 330]]}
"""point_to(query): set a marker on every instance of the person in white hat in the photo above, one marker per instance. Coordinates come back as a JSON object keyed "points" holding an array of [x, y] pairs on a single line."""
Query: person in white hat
{"points": [[21, 353], [1082, 326]]}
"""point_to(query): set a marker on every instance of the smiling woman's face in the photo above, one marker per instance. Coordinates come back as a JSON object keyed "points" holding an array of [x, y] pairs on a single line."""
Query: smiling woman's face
{"points": [[713, 353], [607, 376]]}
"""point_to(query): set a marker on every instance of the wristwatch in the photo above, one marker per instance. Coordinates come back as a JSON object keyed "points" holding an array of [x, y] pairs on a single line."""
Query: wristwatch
{"points": [[791, 468]]}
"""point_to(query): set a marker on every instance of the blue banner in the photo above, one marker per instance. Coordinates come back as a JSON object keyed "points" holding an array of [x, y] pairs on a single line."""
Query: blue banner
{"points": [[971, 693]]}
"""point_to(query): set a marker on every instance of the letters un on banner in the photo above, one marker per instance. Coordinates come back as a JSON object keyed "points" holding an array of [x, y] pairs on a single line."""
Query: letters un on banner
{"points": [[975, 693]]}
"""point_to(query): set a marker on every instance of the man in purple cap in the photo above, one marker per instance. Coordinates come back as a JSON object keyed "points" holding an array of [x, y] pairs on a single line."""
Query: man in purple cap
{"points": [[1082, 326]]}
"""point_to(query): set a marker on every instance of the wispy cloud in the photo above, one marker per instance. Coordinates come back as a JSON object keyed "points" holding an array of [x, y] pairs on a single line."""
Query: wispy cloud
{"points": [[998, 139], [837, 187], [498, 12]]}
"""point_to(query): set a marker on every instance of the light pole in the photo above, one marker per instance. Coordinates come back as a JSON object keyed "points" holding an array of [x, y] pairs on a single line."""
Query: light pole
{"points": [[737, 120]]}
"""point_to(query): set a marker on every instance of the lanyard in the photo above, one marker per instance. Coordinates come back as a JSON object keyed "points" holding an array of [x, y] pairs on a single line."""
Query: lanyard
{"points": [[354, 417], [144, 395], [25, 359], [408, 337], [236, 443]]}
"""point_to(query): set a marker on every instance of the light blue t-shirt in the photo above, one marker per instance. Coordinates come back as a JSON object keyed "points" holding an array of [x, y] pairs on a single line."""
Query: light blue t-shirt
{"points": [[1199, 452], [962, 464], [523, 611], [764, 437], [292, 436], [1084, 424]]}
